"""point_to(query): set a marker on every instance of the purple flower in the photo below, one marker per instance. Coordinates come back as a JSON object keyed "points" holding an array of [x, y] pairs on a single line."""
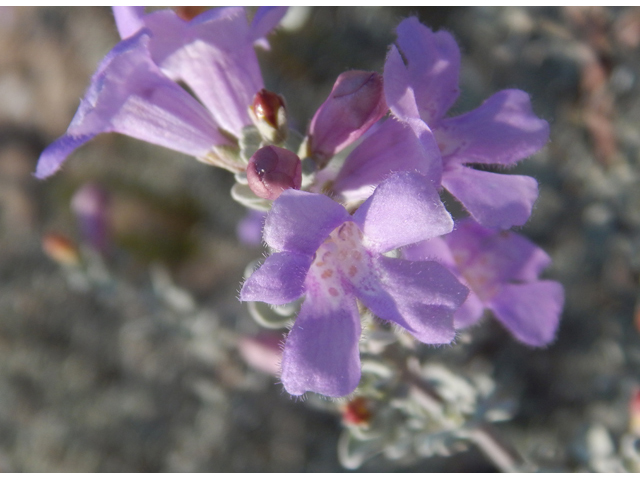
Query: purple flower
{"points": [[501, 268], [355, 103], [333, 258], [134, 90], [421, 84]]}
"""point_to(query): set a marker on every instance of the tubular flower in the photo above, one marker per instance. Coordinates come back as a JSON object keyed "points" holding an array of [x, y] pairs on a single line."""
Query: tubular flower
{"points": [[333, 258], [421, 84], [502, 270], [134, 91], [354, 105]]}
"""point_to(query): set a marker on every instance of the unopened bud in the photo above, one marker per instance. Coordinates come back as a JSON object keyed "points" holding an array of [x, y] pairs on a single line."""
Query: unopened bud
{"points": [[269, 115], [354, 105], [272, 170], [357, 412]]}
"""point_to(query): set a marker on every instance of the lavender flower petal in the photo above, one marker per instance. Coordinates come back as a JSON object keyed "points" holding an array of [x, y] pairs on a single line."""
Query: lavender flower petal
{"points": [[509, 256], [129, 95], [421, 297], [265, 20], [421, 84], [503, 130], [401, 99], [492, 263], [55, 154], [279, 280], [398, 91], [469, 313], [404, 209], [433, 67], [391, 148], [435, 249], [531, 312], [494, 200], [214, 55], [129, 20], [321, 352], [301, 221]]}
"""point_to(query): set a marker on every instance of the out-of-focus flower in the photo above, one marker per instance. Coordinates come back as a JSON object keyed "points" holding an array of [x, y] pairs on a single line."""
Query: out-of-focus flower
{"points": [[249, 229], [333, 258], [501, 269], [421, 84], [262, 352], [134, 90], [272, 170], [89, 204]]}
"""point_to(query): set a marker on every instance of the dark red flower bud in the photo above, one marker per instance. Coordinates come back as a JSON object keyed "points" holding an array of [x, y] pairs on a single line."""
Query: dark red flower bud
{"points": [[269, 115], [272, 170], [357, 412], [355, 104], [266, 105]]}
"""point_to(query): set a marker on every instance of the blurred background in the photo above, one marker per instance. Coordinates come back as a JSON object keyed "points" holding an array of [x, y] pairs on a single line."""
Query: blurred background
{"points": [[127, 360]]}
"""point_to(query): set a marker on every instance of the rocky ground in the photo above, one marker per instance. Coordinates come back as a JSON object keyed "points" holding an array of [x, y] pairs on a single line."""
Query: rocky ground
{"points": [[130, 364]]}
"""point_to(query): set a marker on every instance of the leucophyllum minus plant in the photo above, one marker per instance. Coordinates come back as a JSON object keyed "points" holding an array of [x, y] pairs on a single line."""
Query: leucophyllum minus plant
{"points": [[332, 230]]}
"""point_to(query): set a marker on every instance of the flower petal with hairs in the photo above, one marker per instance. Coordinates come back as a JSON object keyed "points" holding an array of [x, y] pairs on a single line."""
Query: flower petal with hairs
{"points": [[345, 262], [502, 270], [421, 84]]}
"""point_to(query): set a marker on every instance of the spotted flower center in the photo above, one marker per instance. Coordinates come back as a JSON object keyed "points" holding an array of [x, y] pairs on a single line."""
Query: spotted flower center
{"points": [[340, 260]]}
